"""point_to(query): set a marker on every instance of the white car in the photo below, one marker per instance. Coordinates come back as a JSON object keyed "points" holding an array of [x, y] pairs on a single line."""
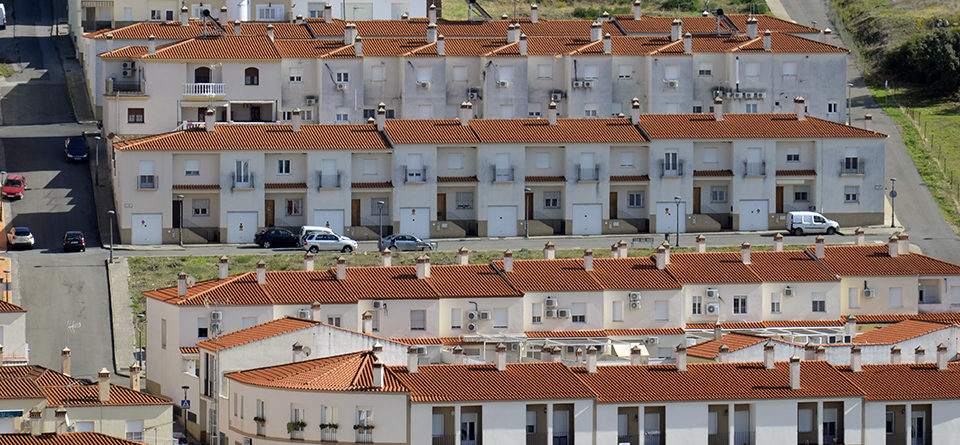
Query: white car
{"points": [[799, 223], [20, 237], [316, 242]]}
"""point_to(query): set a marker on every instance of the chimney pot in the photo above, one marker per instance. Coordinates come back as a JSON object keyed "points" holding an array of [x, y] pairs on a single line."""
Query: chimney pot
{"points": [[717, 331], [666, 253], [718, 109], [366, 322], [661, 257], [261, 273], [341, 268], [903, 244], [767, 40], [607, 44], [210, 120], [60, 422], [36, 422], [308, 261], [358, 47], [868, 122], [466, 112], [622, 246], [441, 45], [381, 116], [103, 381], [745, 253], [181, 284], [423, 267], [501, 357], [534, 13], [676, 30], [826, 35], [184, 16], [327, 13], [794, 372], [296, 120], [856, 359], [377, 374], [768, 355], [893, 247], [895, 354], [636, 355], [463, 256], [135, 377], [552, 113], [615, 250], [753, 27], [386, 258], [588, 260], [413, 359], [152, 45], [316, 311], [858, 236], [850, 326], [596, 32], [457, 355], [819, 247], [545, 354], [349, 34], [270, 31], [65, 362], [377, 348], [778, 242], [799, 107], [549, 251], [591, 360], [237, 29], [431, 33], [635, 111], [508, 261], [687, 43], [701, 243], [223, 268], [918, 355], [724, 354], [681, 358], [820, 353], [637, 9], [432, 14], [942, 357]]}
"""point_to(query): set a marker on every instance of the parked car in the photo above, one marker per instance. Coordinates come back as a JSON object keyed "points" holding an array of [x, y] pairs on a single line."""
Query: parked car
{"points": [[799, 223], [307, 230], [276, 238], [20, 237], [75, 149], [73, 240], [316, 242], [399, 241], [14, 186]]}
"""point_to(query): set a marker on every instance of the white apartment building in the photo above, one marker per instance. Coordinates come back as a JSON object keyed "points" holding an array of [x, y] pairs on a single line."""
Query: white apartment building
{"points": [[14, 348]]}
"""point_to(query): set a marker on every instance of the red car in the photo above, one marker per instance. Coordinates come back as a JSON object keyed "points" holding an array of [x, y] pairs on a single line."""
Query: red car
{"points": [[13, 186]]}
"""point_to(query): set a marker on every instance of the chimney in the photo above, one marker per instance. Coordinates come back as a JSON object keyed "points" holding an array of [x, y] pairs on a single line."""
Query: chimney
{"points": [[103, 382], [724, 356], [637, 9], [341, 268], [636, 356], [413, 359], [65, 362], [768, 355], [135, 377], [745, 253], [457, 355], [377, 374], [858, 236], [299, 20], [423, 267], [432, 14], [315, 313], [778, 242], [297, 352], [903, 244], [223, 268], [549, 251], [893, 246], [799, 108], [366, 323], [661, 257], [295, 119], [666, 253], [466, 112], [850, 326], [622, 246], [441, 45], [327, 13], [702, 243], [431, 33], [918, 355], [545, 354], [868, 122], [767, 40], [820, 353], [405, 17], [552, 113], [942, 357], [826, 35], [607, 44], [237, 29], [60, 422], [681, 357], [308, 261], [522, 45], [508, 261], [605, 17], [588, 260], [152, 44], [210, 120], [184, 16], [36, 422], [676, 30], [895, 354], [270, 31], [635, 111], [753, 27], [386, 258], [349, 33], [687, 43], [591, 360], [557, 355], [819, 248], [856, 359], [463, 256], [615, 250], [181, 284], [358, 47], [511, 37], [534, 13], [718, 109], [109, 37], [261, 273], [381, 116], [501, 357], [596, 32], [717, 331], [794, 372], [580, 355]]}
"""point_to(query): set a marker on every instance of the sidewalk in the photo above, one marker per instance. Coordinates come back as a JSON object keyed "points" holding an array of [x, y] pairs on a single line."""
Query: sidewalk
{"points": [[75, 80], [121, 319]]}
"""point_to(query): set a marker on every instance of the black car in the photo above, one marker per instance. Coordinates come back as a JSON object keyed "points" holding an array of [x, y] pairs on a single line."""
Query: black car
{"points": [[73, 240], [276, 238], [75, 149]]}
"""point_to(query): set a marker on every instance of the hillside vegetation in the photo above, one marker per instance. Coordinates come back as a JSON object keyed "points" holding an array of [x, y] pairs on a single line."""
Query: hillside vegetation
{"points": [[591, 9]]}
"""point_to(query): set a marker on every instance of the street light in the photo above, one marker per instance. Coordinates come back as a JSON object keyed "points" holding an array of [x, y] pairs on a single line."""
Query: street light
{"points": [[849, 86], [97, 148], [111, 213], [182, 412], [676, 199], [380, 229], [526, 213], [893, 197], [180, 201]]}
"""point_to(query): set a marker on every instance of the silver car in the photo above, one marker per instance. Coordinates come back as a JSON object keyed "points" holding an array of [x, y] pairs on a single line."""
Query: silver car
{"points": [[316, 242], [406, 242]]}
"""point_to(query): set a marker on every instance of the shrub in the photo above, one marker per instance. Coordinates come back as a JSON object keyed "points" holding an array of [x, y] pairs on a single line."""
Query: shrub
{"points": [[932, 59]]}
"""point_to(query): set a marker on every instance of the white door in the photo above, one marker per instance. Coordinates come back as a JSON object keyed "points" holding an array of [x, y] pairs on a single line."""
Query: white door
{"points": [[561, 427], [587, 219], [468, 429], [329, 218], [146, 228], [753, 214], [918, 425], [651, 426], [667, 217], [241, 227], [415, 221], [501, 221]]}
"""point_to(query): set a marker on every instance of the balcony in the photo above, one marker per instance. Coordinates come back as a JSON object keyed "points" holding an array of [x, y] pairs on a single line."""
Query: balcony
{"points": [[328, 434], [261, 429], [744, 438], [852, 166], [125, 87], [243, 182], [674, 169], [443, 439], [502, 174], [754, 168], [204, 91], [414, 175], [364, 436], [147, 182], [588, 174], [331, 181]]}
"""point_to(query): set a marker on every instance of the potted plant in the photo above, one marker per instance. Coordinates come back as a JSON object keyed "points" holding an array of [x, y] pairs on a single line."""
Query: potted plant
{"points": [[329, 426], [259, 419], [296, 426], [363, 428]]}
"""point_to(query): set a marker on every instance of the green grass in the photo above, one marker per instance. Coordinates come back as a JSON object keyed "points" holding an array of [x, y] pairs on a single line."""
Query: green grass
{"points": [[564, 9]]}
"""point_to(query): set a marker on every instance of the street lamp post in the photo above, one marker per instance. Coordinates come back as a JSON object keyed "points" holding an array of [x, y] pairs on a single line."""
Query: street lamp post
{"points": [[849, 86], [893, 198], [180, 201], [111, 213], [380, 228], [97, 169], [526, 213], [676, 199], [182, 411], [141, 319]]}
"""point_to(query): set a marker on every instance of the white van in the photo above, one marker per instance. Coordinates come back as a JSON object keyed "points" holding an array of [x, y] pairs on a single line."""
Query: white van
{"points": [[307, 230], [799, 223], [3, 16]]}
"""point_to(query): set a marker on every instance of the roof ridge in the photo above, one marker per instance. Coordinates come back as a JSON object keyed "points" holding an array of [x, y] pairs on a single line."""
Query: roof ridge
{"points": [[224, 282]]}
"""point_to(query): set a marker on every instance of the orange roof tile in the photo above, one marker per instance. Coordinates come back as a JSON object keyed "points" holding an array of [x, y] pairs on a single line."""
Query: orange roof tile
{"points": [[786, 43], [899, 332], [256, 333], [380, 47], [348, 372], [541, 46], [545, 179], [306, 49], [160, 30], [736, 341], [430, 340], [712, 173], [284, 185], [943, 317], [430, 131], [227, 47], [520, 381], [195, 186], [704, 126], [868, 260], [460, 47], [73, 438], [457, 179], [377, 283], [788, 265], [796, 173], [632, 273], [288, 287], [189, 350], [9, 307], [263, 137], [565, 131], [32, 382], [705, 25], [601, 333], [906, 381], [471, 280], [126, 52], [281, 30], [550, 275], [710, 267], [768, 324], [629, 178], [372, 185]]}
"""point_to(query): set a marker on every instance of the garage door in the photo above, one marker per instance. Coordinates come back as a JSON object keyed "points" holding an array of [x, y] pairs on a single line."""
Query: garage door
{"points": [[241, 227], [329, 218], [502, 221], [415, 221], [587, 219], [753, 214], [146, 228], [667, 217]]}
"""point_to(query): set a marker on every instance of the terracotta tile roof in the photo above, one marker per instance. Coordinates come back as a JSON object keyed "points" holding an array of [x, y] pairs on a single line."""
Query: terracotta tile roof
{"points": [[8, 307], [321, 29], [457, 179], [550, 275], [710, 267], [870, 260], [769, 324], [460, 47], [256, 333], [372, 185], [714, 381], [705, 25], [786, 43], [899, 332], [380, 283], [281, 30], [429, 131], [796, 173], [263, 137], [947, 317], [306, 49], [601, 333], [542, 46], [520, 381], [630, 178], [632, 273], [89, 395], [472, 280], [189, 350], [348, 372], [380, 47], [227, 47], [284, 185], [788, 265], [161, 30], [195, 187], [288, 287], [126, 52], [906, 381], [545, 179], [430, 340], [32, 382], [74, 438], [566, 131], [736, 341], [746, 125], [712, 173]]}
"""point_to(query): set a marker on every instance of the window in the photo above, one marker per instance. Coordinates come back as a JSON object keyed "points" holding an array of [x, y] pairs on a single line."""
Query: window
{"points": [[718, 193], [533, 111], [710, 155], [696, 305], [251, 76], [191, 167], [315, 10], [661, 310], [201, 207], [333, 320], [801, 194], [456, 318], [134, 115], [418, 320], [342, 117], [536, 313], [617, 313], [241, 406], [819, 303], [671, 166], [236, 401], [531, 422], [295, 207], [343, 76], [163, 333], [851, 193], [635, 199], [774, 303], [624, 71], [147, 180], [751, 108], [790, 68], [793, 156], [698, 109], [578, 313], [242, 174], [896, 297], [891, 422], [853, 297], [376, 209], [202, 331], [156, 14], [544, 71], [551, 200], [269, 12], [626, 159], [705, 69], [740, 304], [832, 107], [751, 69], [377, 73], [455, 161], [283, 166], [459, 74], [590, 110], [135, 430], [543, 160], [804, 420], [296, 75], [590, 72], [500, 318], [369, 166], [464, 200], [955, 295]]}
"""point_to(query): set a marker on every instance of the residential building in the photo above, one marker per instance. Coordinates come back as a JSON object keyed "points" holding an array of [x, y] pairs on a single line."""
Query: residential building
{"points": [[13, 335], [65, 438]]}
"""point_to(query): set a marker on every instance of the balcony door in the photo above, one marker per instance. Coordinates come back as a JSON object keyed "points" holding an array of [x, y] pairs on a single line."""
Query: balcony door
{"points": [[201, 75], [918, 424], [468, 429]]}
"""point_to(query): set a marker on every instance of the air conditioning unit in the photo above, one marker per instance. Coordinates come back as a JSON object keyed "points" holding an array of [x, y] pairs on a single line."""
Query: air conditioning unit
{"points": [[634, 305], [563, 313], [472, 327], [503, 83], [738, 95], [303, 313], [377, 304], [749, 95], [578, 84], [341, 86], [473, 95], [421, 350], [652, 340], [127, 73], [589, 83], [634, 296], [788, 291], [868, 293], [247, 441], [215, 329], [713, 308], [485, 315], [717, 93], [311, 100], [556, 97], [761, 95], [216, 316], [729, 93], [550, 302], [127, 65], [551, 313], [473, 315], [672, 83], [713, 292], [423, 84]]}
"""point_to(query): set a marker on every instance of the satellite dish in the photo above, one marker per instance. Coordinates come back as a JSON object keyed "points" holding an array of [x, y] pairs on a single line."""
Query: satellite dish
{"points": [[306, 351], [191, 281], [205, 13]]}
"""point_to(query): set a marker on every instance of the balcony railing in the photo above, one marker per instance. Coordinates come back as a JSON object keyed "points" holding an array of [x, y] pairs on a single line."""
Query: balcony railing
{"points": [[328, 435], [204, 89], [243, 182], [261, 429], [754, 168], [443, 439], [562, 440], [675, 169], [328, 181], [744, 438], [416, 175], [296, 434], [852, 166], [130, 87], [364, 436], [588, 173], [653, 438], [502, 174], [147, 182]]}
